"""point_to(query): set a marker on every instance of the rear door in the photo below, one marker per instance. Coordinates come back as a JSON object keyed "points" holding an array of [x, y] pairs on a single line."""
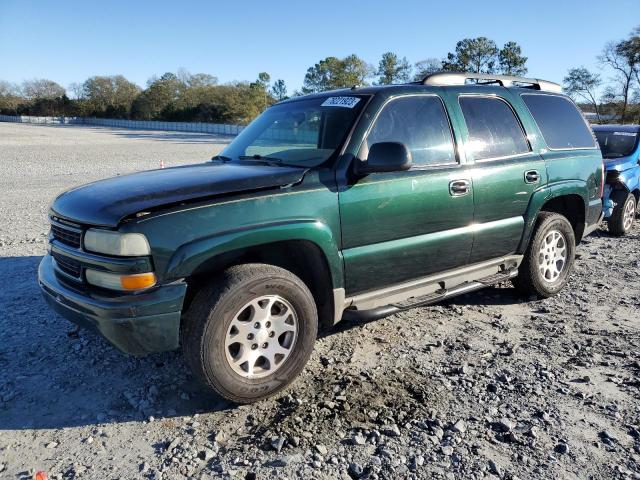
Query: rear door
{"points": [[506, 173]]}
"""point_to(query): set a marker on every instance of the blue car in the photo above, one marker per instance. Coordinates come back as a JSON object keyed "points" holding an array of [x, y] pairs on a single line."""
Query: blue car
{"points": [[621, 153]]}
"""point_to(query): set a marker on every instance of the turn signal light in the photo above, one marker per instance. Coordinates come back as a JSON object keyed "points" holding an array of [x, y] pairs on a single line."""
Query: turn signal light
{"points": [[115, 281], [138, 281]]}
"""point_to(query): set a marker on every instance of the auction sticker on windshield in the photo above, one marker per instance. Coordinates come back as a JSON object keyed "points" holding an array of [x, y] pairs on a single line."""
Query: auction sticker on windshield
{"points": [[625, 134], [346, 102]]}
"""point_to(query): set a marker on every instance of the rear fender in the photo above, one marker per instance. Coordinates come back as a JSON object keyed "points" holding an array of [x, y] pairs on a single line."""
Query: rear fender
{"points": [[542, 196]]}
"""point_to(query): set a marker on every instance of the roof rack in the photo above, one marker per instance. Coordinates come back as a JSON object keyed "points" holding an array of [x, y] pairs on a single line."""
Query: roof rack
{"points": [[460, 78]]}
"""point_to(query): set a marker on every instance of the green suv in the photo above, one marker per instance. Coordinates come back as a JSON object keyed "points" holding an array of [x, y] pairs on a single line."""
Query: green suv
{"points": [[359, 202]]}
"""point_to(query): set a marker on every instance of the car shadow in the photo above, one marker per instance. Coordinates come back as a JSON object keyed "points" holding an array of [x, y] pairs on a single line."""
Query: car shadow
{"points": [[53, 375]]}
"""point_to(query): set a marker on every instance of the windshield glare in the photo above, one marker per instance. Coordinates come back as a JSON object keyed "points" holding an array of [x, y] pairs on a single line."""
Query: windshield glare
{"points": [[303, 133], [616, 144]]}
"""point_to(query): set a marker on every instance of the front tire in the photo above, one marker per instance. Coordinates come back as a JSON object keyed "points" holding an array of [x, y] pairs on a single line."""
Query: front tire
{"points": [[250, 332], [624, 213], [549, 258]]}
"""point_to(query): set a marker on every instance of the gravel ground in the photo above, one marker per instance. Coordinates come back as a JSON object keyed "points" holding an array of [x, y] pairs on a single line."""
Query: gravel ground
{"points": [[488, 385]]}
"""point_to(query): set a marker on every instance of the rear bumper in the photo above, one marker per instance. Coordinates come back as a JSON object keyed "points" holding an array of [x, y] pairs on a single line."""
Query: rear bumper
{"points": [[135, 323]]}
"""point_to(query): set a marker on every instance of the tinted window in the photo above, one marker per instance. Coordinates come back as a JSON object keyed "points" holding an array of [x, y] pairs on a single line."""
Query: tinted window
{"points": [[494, 130], [617, 144], [560, 122], [421, 123]]}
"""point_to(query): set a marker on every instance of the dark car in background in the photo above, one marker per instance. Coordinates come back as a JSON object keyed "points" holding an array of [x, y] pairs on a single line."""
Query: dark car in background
{"points": [[621, 153]]}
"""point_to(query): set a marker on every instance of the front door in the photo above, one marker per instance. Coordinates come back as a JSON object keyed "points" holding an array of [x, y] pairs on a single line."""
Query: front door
{"points": [[403, 225]]}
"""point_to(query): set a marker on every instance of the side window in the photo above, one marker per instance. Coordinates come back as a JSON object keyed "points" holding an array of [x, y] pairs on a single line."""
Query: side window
{"points": [[560, 122], [494, 130], [421, 123]]}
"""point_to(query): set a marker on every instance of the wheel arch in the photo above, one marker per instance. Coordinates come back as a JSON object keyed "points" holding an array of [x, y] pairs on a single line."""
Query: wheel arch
{"points": [[306, 249], [569, 199]]}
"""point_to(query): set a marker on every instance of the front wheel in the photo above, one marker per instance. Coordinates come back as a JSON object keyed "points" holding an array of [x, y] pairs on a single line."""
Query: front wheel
{"points": [[624, 213], [250, 332], [549, 258]]}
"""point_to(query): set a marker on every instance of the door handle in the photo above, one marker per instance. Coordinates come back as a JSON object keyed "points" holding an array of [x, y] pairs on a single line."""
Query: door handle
{"points": [[458, 188], [531, 176]]}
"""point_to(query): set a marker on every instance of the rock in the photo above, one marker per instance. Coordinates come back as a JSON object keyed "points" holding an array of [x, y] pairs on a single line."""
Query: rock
{"points": [[561, 448], [322, 450], [495, 468], [459, 427], [358, 439], [391, 430], [287, 460], [504, 425], [51, 445], [355, 470], [448, 450], [277, 443], [207, 454]]}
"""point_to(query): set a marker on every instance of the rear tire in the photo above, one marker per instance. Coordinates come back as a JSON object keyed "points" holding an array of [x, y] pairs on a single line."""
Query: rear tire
{"points": [[250, 332], [624, 213], [549, 257]]}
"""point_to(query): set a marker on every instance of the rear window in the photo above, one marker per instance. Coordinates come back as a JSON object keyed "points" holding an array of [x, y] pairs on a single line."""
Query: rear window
{"points": [[617, 144], [494, 130], [561, 123]]}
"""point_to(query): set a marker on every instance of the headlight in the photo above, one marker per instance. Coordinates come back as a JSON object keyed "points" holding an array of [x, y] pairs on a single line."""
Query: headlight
{"points": [[116, 243], [125, 283]]}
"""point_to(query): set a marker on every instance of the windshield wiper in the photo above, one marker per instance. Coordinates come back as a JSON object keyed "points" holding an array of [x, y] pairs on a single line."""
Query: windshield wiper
{"points": [[613, 155], [221, 157], [265, 158]]}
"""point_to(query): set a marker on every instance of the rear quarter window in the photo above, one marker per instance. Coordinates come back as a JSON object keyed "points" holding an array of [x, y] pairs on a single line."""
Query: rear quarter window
{"points": [[560, 122]]}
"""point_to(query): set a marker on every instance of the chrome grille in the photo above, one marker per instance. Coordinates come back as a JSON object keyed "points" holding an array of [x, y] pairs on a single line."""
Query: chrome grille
{"points": [[68, 265], [66, 234]]}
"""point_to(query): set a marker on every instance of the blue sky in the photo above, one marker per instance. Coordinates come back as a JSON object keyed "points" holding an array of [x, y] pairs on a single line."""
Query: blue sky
{"points": [[68, 41]]}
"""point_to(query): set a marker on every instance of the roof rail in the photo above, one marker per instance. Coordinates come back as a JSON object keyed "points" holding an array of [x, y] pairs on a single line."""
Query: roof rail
{"points": [[460, 78]]}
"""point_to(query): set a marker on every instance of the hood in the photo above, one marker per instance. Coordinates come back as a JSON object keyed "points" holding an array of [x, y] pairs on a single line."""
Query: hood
{"points": [[108, 202]]}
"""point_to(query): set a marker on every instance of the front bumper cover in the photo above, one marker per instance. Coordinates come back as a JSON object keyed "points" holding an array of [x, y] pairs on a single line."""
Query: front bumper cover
{"points": [[134, 323]]}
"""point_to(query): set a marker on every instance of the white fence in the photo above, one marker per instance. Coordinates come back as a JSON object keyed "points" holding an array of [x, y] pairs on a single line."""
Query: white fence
{"points": [[217, 128]]}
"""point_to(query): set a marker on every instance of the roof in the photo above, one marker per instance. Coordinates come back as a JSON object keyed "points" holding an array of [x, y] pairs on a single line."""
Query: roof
{"points": [[405, 88], [616, 128]]}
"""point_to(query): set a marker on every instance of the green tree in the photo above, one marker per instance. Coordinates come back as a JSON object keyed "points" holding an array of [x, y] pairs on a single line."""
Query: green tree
{"points": [[332, 73], [10, 98], [392, 69], [160, 98], [110, 96], [581, 83], [426, 67], [279, 90], [477, 55], [511, 61]]}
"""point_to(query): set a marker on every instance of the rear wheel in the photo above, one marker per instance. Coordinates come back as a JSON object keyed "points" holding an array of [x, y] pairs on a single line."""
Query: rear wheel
{"points": [[549, 258], [624, 213], [250, 332]]}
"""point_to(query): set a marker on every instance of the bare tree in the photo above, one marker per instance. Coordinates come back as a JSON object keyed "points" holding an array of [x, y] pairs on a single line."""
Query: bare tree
{"points": [[581, 83], [625, 67], [41, 88]]}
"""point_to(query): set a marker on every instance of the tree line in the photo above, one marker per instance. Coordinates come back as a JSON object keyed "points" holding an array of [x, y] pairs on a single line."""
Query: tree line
{"points": [[182, 96]]}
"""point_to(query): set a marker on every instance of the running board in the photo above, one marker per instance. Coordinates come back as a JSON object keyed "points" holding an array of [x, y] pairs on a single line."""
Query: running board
{"points": [[429, 299]]}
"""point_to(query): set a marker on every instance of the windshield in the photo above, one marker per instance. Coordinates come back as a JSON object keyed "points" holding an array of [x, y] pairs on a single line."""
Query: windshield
{"points": [[302, 133], [616, 144]]}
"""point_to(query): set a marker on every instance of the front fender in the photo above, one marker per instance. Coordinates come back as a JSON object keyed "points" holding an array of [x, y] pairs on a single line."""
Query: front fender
{"points": [[542, 196], [188, 257]]}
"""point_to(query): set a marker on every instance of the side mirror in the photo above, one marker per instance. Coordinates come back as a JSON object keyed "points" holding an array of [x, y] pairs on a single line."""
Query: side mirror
{"points": [[386, 157]]}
